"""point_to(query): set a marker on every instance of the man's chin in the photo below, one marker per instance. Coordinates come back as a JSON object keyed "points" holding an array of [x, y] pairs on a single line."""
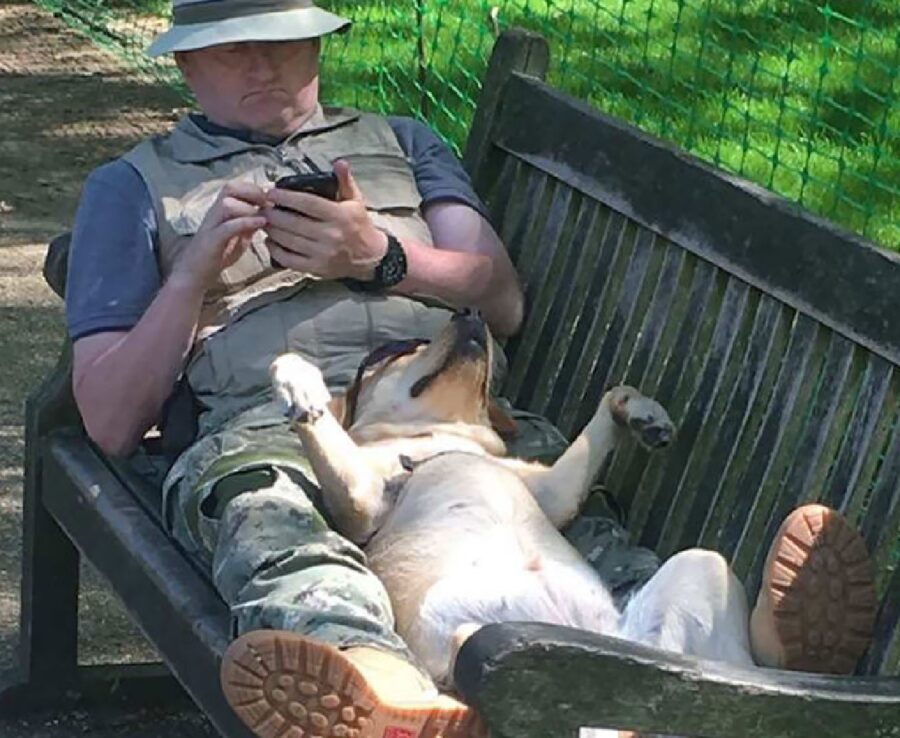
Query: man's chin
{"points": [[274, 123]]}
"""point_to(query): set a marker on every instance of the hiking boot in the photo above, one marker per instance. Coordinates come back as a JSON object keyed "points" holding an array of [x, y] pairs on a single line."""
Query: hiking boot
{"points": [[816, 606], [282, 684]]}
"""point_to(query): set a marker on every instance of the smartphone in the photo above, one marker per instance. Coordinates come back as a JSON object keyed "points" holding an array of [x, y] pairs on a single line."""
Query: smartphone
{"points": [[323, 184]]}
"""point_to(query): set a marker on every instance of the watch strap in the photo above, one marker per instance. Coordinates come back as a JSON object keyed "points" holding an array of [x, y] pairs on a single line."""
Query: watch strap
{"points": [[389, 271]]}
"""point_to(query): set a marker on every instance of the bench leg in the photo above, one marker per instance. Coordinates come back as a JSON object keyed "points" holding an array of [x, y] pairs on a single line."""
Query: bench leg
{"points": [[49, 618], [47, 675]]}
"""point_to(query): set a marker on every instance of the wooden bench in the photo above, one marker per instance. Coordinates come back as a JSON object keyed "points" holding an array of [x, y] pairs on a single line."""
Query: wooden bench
{"points": [[772, 337]]}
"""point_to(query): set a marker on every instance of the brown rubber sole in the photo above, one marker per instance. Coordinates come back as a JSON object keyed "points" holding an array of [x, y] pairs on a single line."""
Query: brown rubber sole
{"points": [[283, 685], [819, 580]]}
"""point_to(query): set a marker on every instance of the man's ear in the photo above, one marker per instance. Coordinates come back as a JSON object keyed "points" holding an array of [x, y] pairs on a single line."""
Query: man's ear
{"points": [[501, 421], [182, 61], [338, 408]]}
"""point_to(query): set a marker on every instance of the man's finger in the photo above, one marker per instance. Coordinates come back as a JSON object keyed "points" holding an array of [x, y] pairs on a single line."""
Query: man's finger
{"points": [[292, 242], [301, 225], [244, 226], [244, 190], [292, 259], [347, 187], [302, 203], [232, 207]]}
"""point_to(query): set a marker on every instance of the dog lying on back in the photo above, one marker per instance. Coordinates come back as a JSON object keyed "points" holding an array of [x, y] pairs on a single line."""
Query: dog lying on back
{"points": [[412, 468]]}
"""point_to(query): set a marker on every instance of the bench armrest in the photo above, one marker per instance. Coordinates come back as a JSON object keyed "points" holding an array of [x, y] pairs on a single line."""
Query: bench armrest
{"points": [[56, 263], [541, 680]]}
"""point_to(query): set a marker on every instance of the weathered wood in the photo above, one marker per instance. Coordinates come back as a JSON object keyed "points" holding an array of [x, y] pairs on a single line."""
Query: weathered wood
{"points": [[762, 461], [540, 280], [696, 415], [176, 607], [48, 621], [817, 268], [703, 484], [534, 681], [516, 50], [56, 263], [564, 399], [577, 273], [780, 396]]}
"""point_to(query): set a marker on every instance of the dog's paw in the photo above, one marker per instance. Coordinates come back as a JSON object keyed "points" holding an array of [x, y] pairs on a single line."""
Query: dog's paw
{"points": [[646, 418], [299, 388]]}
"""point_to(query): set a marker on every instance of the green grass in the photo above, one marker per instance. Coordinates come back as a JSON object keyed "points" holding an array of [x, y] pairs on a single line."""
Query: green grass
{"points": [[799, 96], [796, 95]]}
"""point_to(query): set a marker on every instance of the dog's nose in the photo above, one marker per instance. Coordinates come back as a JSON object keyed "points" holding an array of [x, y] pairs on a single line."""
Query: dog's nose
{"points": [[467, 315], [658, 436], [470, 326]]}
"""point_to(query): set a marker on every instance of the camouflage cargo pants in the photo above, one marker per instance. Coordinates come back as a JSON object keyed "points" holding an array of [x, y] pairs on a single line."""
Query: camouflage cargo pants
{"points": [[242, 501]]}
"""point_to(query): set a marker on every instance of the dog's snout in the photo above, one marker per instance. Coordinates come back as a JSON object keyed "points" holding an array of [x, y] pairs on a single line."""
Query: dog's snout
{"points": [[470, 327], [466, 314], [658, 436]]}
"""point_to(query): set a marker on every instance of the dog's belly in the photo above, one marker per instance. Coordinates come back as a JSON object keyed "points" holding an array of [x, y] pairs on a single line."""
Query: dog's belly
{"points": [[467, 543]]}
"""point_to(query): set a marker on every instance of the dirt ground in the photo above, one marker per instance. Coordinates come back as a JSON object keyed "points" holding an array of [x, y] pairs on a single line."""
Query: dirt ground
{"points": [[65, 107]]}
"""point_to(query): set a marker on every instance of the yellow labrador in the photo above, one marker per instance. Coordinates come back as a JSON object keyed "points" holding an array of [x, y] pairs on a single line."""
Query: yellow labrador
{"points": [[412, 468]]}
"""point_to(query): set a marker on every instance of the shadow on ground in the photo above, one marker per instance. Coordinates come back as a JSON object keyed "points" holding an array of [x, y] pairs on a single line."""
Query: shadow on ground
{"points": [[65, 107]]}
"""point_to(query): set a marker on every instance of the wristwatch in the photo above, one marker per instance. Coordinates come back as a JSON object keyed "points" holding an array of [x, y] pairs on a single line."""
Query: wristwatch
{"points": [[389, 272]]}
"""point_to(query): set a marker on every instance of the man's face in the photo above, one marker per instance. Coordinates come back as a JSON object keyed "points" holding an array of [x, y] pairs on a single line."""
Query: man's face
{"points": [[267, 87]]}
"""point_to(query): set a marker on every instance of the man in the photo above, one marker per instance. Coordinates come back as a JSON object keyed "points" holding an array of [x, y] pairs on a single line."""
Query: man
{"points": [[187, 263], [185, 260]]}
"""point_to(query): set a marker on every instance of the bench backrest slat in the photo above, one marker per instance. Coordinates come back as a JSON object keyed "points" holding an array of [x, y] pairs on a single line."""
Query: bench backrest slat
{"points": [[761, 329]]}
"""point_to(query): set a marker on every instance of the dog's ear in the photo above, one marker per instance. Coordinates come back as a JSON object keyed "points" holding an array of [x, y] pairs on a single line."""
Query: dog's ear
{"points": [[501, 421], [339, 408]]}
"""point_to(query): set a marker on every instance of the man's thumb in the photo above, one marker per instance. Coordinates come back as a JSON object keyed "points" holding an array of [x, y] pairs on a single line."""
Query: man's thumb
{"points": [[347, 188]]}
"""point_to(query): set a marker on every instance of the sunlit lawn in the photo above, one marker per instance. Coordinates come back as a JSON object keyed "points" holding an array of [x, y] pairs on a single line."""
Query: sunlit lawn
{"points": [[788, 94], [797, 95]]}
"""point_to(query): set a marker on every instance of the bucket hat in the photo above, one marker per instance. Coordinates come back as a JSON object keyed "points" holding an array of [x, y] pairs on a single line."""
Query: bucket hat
{"points": [[197, 24]]}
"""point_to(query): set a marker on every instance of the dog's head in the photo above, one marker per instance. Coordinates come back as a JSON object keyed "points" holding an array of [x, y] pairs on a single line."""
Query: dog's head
{"points": [[424, 383]]}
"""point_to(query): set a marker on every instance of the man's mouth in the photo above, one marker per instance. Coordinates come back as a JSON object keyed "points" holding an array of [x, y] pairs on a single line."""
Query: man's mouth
{"points": [[267, 92]]}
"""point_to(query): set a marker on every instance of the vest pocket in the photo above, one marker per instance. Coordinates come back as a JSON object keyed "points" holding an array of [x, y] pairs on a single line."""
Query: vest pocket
{"points": [[386, 181]]}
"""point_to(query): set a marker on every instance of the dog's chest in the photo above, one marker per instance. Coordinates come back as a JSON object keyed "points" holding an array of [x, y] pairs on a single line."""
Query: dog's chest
{"points": [[395, 458], [462, 493]]}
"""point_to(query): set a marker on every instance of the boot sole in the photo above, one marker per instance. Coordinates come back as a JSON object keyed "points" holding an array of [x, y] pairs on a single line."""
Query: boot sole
{"points": [[282, 685], [820, 582]]}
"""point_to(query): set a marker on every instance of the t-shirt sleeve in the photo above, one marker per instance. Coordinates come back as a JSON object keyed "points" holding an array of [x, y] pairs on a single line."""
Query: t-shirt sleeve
{"points": [[113, 273], [439, 174]]}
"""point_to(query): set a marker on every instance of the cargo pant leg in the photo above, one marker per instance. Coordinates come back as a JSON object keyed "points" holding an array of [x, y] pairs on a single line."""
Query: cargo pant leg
{"points": [[278, 566]]}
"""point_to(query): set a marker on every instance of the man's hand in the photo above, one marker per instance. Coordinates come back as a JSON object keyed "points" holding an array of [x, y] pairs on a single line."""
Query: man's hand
{"points": [[328, 239], [223, 235]]}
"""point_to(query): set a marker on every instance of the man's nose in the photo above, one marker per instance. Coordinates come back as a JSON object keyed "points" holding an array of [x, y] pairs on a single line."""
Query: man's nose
{"points": [[260, 59]]}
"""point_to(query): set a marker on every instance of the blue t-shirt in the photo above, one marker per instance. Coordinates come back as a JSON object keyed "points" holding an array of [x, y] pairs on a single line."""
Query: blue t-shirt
{"points": [[113, 270]]}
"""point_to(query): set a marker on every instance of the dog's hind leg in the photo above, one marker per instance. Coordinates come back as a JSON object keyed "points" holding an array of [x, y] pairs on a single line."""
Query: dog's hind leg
{"points": [[693, 605], [561, 489]]}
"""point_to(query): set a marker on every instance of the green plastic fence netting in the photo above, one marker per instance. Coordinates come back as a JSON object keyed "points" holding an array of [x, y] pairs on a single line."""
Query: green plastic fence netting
{"points": [[799, 96]]}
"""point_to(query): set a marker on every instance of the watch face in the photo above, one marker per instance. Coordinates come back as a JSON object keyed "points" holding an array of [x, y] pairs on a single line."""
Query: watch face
{"points": [[392, 273], [392, 268]]}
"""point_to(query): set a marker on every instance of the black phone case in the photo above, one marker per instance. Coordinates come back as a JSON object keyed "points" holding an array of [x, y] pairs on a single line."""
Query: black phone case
{"points": [[323, 184]]}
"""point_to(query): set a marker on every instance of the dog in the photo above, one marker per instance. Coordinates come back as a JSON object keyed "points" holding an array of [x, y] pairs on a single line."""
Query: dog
{"points": [[413, 469]]}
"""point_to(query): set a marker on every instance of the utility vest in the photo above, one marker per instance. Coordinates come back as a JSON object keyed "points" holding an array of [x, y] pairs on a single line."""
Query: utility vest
{"points": [[268, 310]]}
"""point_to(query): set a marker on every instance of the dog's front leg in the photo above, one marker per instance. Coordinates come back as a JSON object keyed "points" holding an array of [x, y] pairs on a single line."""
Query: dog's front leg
{"points": [[561, 489], [352, 490]]}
